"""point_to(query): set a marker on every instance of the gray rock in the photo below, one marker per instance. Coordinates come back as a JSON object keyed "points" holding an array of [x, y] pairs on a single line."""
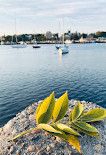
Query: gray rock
{"points": [[31, 148], [11, 150]]}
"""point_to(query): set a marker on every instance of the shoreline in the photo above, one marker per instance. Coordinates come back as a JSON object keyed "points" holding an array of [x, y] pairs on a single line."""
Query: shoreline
{"points": [[39, 143], [54, 43]]}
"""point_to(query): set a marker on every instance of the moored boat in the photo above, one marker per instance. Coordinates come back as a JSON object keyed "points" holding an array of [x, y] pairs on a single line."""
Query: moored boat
{"points": [[64, 49], [19, 45], [35, 45]]}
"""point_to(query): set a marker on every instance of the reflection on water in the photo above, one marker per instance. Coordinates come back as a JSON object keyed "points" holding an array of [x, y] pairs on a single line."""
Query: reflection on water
{"points": [[28, 75]]}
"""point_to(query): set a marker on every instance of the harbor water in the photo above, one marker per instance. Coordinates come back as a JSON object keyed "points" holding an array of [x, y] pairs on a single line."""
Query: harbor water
{"points": [[28, 75]]}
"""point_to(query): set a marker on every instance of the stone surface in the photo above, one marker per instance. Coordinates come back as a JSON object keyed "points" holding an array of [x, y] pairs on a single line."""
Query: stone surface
{"points": [[41, 143], [31, 148], [11, 150]]}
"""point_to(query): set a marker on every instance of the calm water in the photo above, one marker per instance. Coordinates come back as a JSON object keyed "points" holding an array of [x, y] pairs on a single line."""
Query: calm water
{"points": [[29, 75]]}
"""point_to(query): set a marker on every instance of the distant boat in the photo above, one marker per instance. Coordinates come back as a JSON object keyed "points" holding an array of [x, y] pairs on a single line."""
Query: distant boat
{"points": [[17, 44], [58, 46], [36, 45], [94, 41], [2, 42], [64, 49]]}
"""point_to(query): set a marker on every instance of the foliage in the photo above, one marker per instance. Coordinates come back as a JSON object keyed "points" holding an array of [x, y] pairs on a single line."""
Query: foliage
{"points": [[49, 110]]}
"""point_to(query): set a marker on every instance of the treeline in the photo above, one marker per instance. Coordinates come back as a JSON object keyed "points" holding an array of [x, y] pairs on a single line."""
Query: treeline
{"points": [[77, 36], [42, 37]]}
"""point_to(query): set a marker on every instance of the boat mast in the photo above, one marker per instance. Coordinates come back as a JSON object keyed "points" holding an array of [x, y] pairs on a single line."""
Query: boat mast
{"points": [[63, 30], [15, 29]]}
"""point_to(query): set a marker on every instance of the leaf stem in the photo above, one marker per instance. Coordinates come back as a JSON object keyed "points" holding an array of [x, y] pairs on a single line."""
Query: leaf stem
{"points": [[25, 132]]}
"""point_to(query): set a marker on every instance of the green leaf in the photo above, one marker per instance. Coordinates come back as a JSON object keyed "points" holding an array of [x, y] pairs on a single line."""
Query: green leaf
{"points": [[70, 138], [95, 134], [48, 128], [86, 126], [45, 110], [60, 108], [66, 129], [94, 115], [77, 112]]}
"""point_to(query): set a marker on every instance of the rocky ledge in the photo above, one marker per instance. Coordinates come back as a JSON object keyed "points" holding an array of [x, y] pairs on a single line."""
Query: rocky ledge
{"points": [[40, 143]]}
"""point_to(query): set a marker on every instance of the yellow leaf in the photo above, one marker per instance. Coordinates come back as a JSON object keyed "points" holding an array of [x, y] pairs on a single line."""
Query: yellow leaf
{"points": [[60, 108], [37, 110], [86, 126], [94, 115], [48, 128], [74, 141], [45, 110], [95, 134], [70, 118], [70, 138], [77, 111], [66, 129]]}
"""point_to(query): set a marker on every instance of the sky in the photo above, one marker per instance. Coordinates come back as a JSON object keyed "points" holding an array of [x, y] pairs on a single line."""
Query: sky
{"points": [[39, 16]]}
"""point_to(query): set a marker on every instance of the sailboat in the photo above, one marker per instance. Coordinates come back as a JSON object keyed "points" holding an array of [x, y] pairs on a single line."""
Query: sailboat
{"points": [[35, 45], [17, 44], [64, 49], [59, 45]]}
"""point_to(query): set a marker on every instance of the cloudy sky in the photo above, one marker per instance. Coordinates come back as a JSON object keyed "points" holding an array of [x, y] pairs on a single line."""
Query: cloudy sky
{"points": [[38, 16]]}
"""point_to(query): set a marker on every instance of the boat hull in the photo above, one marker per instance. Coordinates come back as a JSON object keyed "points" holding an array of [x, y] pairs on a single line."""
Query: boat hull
{"points": [[34, 46], [19, 46], [64, 50]]}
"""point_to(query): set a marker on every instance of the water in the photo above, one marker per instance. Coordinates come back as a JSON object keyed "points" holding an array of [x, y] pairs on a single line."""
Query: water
{"points": [[29, 75]]}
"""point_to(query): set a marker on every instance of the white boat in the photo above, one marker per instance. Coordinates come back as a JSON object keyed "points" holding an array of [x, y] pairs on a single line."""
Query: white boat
{"points": [[2, 42], [64, 49], [35, 45], [19, 45], [59, 45]]}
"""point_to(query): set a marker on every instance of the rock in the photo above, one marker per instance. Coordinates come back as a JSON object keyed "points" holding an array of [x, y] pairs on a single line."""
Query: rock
{"points": [[11, 150], [48, 148], [53, 138], [21, 116], [73, 147], [8, 126], [0, 143], [36, 131], [30, 110], [23, 120], [53, 145], [17, 114], [32, 117], [31, 148], [58, 139], [17, 152], [97, 147], [14, 132], [1, 129], [24, 113]]}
